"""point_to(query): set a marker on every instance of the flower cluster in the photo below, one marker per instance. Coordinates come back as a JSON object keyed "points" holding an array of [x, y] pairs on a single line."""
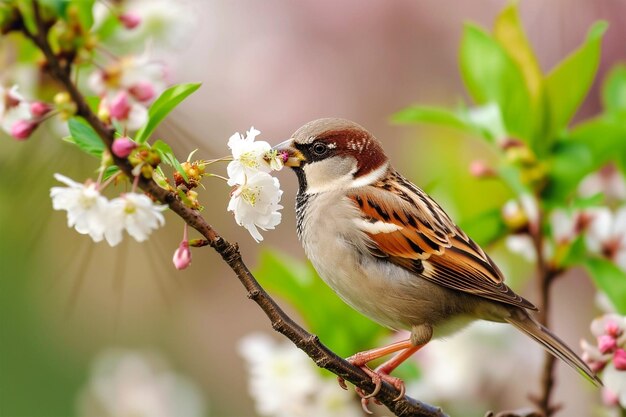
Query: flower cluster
{"points": [[90, 213], [604, 231], [130, 383], [284, 382], [608, 355], [256, 194], [126, 87], [18, 117]]}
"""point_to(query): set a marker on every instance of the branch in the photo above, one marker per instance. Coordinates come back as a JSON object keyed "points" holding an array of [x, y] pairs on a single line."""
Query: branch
{"points": [[281, 322]]}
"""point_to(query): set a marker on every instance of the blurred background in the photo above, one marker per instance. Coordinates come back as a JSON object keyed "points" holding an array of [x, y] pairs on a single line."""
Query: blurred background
{"points": [[274, 65]]}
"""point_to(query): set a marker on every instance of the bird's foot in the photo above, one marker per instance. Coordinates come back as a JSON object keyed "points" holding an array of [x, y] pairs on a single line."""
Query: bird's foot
{"points": [[378, 376]]}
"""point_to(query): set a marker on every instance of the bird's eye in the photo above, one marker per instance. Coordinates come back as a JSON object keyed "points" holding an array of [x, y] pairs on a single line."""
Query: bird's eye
{"points": [[320, 149]]}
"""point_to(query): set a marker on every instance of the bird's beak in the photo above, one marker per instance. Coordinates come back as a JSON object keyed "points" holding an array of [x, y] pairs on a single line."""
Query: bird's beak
{"points": [[293, 157]]}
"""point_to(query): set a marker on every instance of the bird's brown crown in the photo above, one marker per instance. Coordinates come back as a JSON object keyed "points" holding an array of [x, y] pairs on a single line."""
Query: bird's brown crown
{"points": [[331, 137]]}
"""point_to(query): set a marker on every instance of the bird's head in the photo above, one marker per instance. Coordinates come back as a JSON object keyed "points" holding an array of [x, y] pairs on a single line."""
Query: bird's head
{"points": [[331, 154]]}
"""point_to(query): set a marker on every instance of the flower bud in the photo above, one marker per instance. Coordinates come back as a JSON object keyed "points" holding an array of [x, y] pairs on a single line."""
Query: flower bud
{"points": [[182, 256], [606, 343], [120, 106], [22, 129], [619, 359], [143, 91], [39, 108], [129, 20], [122, 147], [480, 169], [612, 328], [62, 98], [609, 398]]}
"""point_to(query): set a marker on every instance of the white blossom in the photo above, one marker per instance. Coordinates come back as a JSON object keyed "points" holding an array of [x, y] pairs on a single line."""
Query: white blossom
{"points": [[489, 118], [329, 401], [143, 79], [608, 180], [248, 156], [135, 213], [563, 225], [86, 207], [282, 380], [607, 235], [89, 212], [255, 203], [615, 383], [128, 383], [13, 108]]}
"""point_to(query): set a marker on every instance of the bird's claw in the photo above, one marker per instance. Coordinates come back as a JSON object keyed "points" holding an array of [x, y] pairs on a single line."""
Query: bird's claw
{"points": [[377, 376]]}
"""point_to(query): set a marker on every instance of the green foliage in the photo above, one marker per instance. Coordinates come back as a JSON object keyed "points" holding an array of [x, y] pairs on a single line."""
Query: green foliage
{"points": [[486, 228], [167, 156], [298, 284], [610, 279], [527, 116], [83, 136], [568, 83], [162, 106], [491, 76]]}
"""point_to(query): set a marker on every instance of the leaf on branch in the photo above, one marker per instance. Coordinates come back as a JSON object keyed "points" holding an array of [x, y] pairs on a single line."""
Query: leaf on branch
{"points": [[509, 32], [162, 106], [83, 136], [610, 279], [491, 75], [167, 156], [614, 93], [486, 228], [568, 83]]}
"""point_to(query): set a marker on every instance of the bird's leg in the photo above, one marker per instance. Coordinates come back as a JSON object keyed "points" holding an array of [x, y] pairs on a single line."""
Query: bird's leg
{"points": [[386, 368], [360, 359]]}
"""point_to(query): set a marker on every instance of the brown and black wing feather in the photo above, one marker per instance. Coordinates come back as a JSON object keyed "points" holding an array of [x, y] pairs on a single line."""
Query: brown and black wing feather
{"points": [[427, 242]]}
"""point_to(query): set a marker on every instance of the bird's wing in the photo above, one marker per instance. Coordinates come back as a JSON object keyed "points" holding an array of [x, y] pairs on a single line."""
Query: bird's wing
{"points": [[411, 230]]}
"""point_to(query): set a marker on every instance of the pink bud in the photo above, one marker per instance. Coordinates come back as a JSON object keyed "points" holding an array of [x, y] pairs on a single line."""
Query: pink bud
{"points": [[612, 329], [130, 20], [39, 109], [619, 359], [22, 129], [609, 398], [122, 147], [142, 91], [182, 256], [606, 343], [120, 106], [481, 169]]}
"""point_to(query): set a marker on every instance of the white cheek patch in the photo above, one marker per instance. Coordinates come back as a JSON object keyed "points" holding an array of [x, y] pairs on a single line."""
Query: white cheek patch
{"points": [[370, 178], [329, 174], [376, 227]]}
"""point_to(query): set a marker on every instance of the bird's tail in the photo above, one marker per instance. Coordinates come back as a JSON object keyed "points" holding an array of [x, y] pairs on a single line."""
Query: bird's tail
{"points": [[525, 323]]}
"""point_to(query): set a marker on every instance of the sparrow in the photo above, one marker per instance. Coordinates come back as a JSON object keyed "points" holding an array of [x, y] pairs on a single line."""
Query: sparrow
{"points": [[392, 253]]}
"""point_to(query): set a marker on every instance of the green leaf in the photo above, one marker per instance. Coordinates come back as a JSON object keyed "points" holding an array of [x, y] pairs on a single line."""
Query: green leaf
{"points": [[568, 83], [84, 9], [433, 115], [85, 137], [167, 155], [485, 228], [297, 283], [109, 171], [614, 92], [508, 31], [161, 107], [491, 76], [610, 279]]}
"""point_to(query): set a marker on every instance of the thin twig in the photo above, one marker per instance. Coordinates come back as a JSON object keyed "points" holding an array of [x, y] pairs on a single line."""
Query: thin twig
{"points": [[280, 321]]}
